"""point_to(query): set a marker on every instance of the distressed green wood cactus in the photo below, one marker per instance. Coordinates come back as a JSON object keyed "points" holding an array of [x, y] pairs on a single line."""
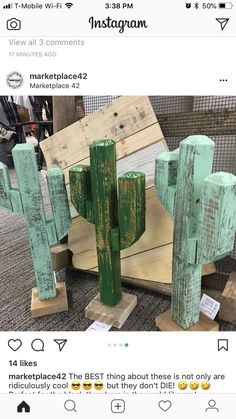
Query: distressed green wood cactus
{"points": [[204, 208], [27, 200], [119, 221]]}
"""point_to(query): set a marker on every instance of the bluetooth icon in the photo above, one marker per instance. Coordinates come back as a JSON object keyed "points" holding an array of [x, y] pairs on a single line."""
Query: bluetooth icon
{"points": [[196, 5]]}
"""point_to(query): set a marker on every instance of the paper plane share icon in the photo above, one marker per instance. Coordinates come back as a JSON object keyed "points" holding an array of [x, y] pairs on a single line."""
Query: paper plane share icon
{"points": [[61, 343], [223, 22]]}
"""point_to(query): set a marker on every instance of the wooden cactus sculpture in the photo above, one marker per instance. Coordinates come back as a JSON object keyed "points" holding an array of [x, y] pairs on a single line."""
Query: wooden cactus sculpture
{"points": [[119, 222], [204, 208], [27, 200]]}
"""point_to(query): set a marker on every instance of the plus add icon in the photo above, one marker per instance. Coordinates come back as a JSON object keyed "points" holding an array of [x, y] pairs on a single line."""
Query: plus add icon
{"points": [[118, 406]]}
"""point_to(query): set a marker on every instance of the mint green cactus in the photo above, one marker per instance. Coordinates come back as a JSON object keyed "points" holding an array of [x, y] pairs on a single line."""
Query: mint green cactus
{"points": [[28, 200], [204, 207], [119, 222]]}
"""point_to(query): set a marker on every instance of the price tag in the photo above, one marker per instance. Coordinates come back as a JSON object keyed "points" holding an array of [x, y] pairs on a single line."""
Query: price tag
{"points": [[98, 327], [209, 306]]}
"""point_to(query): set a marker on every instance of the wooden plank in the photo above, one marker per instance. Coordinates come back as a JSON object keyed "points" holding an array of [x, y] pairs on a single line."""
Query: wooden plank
{"points": [[53, 305], [143, 160], [114, 316], [133, 150], [122, 118], [165, 323], [218, 122]]}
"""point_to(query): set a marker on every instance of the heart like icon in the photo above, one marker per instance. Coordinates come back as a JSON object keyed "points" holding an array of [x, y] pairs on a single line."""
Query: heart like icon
{"points": [[14, 344], [165, 405]]}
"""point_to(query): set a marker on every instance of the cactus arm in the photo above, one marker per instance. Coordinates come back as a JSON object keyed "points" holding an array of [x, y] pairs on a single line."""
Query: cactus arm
{"points": [[5, 188], [132, 203], [16, 201], [104, 194], [51, 232], [31, 196], [218, 217], [195, 163], [81, 191], [165, 178], [59, 203]]}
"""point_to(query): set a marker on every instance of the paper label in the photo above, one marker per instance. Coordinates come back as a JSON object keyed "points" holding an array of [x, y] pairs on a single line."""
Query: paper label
{"points": [[98, 327], [209, 306]]}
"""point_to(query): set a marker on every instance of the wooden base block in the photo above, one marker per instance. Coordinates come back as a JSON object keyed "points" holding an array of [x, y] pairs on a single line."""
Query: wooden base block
{"points": [[61, 256], [165, 323], [53, 305], [114, 316], [228, 301]]}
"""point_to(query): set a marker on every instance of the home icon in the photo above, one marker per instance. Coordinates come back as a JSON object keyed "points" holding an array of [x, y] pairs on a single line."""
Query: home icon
{"points": [[23, 407]]}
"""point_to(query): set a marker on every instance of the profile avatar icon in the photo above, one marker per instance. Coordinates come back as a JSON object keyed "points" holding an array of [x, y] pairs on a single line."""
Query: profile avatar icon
{"points": [[211, 406]]}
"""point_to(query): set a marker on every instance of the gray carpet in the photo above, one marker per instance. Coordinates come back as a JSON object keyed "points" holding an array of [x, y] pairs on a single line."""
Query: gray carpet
{"points": [[17, 281]]}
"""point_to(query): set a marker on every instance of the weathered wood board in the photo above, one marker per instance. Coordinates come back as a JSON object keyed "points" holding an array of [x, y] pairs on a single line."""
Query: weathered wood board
{"points": [[132, 124], [125, 121], [52, 305], [114, 316]]}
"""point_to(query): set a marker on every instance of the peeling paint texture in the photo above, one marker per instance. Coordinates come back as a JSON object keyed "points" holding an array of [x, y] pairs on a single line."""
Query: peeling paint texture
{"points": [[27, 200], [204, 207], [119, 222]]}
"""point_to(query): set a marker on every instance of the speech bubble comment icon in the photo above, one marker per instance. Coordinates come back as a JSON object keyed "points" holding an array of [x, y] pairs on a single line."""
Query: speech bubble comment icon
{"points": [[70, 405], [37, 345]]}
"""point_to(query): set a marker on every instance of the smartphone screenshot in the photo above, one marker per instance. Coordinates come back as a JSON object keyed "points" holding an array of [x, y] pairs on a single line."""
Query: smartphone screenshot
{"points": [[117, 209]]}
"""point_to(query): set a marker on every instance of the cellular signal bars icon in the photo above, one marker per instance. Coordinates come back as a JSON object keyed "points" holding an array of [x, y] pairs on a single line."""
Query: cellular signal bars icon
{"points": [[8, 6]]}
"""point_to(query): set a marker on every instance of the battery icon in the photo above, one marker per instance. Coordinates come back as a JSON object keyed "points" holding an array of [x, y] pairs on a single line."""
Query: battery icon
{"points": [[226, 5]]}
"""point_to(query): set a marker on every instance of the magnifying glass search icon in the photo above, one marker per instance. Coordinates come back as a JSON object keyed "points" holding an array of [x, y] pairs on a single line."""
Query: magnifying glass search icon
{"points": [[70, 405]]}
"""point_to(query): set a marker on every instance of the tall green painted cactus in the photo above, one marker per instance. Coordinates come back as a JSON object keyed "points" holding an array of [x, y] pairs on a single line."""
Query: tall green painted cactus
{"points": [[28, 200], [119, 222], [204, 207]]}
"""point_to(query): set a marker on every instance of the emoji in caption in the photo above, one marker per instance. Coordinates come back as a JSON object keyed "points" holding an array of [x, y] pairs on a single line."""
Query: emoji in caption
{"points": [[75, 385], [87, 385], [98, 385], [205, 385], [182, 385], [194, 385]]}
